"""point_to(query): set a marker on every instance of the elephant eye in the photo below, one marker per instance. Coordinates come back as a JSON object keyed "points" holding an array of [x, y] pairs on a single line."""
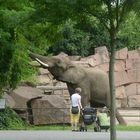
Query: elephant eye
{"points": [[58, 62]]}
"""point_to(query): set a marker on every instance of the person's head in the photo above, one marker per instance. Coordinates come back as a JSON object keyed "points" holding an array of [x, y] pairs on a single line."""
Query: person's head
{"points": [[78, 90], [102, 110]]}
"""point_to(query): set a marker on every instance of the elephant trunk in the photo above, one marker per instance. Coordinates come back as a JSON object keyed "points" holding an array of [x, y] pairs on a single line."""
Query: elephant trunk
{"points": [[34, 56], [40, 59]]}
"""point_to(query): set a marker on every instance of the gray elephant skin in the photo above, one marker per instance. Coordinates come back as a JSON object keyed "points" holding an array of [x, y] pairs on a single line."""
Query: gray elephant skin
{"points": [[93, 82]]}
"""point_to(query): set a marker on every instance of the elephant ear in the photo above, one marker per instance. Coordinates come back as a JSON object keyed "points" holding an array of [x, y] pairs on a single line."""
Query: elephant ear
{"points": [[73, 74], [61, 64]]}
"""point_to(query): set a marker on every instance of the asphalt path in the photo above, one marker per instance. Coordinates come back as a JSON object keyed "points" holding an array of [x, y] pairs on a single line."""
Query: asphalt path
{"points": [[65, 135]]}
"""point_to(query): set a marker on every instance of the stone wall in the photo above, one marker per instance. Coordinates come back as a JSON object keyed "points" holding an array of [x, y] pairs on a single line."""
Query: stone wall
{"points": [[127, 76], [51, 109], [127, 73], [127, 83]]}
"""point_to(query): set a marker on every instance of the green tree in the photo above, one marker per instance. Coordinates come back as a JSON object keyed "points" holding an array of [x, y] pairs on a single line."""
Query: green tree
{"points": [[86, 32], [129, 34], [77, 38], [111, 13], [72, 41], [13, 14]]}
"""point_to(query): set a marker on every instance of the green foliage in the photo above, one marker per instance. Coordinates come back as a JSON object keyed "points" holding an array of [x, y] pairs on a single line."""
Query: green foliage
{"points": [[130, 32], [13, 43], [72, 41], [10, 120], [80, 39], [75, 27], [5, 52]]}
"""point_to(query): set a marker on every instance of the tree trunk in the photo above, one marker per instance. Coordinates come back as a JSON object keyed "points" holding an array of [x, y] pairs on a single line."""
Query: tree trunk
{"points": [[112, 87]]}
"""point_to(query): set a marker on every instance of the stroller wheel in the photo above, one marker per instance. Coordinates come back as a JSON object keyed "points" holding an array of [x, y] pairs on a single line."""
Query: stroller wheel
{"points": [[97, 129], [81, 128], [85, 128]]}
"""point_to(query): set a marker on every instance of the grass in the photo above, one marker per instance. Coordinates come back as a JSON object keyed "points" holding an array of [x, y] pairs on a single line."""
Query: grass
{"points": [[49, 127], [41, 127], [67, 127], [128, 128]]}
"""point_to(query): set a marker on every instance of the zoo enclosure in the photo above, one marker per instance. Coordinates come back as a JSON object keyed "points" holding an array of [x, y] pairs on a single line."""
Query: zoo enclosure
{"points": [[47, 116]]}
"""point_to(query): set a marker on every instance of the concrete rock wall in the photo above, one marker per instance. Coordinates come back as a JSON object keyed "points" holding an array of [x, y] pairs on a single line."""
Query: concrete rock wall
{"points": [[127, 73], [127, 83]]}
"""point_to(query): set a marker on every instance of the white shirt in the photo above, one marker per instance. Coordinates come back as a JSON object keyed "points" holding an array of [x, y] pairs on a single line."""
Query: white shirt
{"points": [[76, 100]]}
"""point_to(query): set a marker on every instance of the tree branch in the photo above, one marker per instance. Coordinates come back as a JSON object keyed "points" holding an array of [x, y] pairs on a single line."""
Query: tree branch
{"points": [[110, 14], [122, 14], [117, 14], [99, 17]]}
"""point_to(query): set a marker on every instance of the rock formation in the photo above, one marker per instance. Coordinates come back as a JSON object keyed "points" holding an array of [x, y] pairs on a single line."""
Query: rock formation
{"points": [[54, 94]]}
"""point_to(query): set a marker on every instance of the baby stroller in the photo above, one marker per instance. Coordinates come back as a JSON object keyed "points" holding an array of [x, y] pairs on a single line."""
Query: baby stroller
{"points": [[88, 115], [102, 122]]}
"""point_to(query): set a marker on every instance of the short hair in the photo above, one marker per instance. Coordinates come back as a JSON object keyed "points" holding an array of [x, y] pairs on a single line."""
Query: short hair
{"points": [[103, 110], [78, 90]]}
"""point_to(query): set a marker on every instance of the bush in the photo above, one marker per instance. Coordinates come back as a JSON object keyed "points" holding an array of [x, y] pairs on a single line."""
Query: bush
{"points": [[10, 120]]}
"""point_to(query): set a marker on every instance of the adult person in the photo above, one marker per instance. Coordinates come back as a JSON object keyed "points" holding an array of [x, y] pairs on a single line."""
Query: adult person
{"points": [[75, 109]]}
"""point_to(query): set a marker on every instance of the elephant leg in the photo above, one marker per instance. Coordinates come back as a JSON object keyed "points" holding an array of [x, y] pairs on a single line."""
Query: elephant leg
{"points": [[108, 99], [85, 97], [71, 88], [120, 118]]}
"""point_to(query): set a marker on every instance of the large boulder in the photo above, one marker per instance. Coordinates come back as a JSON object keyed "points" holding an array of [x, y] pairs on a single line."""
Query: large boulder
{"points": [[134, 101], [120, 92], [132, 63], [44, 79], [103, 54], [119, 66], [92, 60], [10, 102], [132, 89], [133, 54], [134, 75], [121, 98], [121, 78], [51, 109], [130, 116], [122, 54], [23, 94]]}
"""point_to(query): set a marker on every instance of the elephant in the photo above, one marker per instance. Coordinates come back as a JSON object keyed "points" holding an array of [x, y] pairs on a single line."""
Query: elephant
{"points": [[93, 82]]}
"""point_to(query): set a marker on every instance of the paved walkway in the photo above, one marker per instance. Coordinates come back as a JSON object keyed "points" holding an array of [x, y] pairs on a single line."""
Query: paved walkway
{"points": [[65, 135]]}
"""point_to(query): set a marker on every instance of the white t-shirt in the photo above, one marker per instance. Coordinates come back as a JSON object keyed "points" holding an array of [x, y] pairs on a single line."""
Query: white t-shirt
{"points": [[75, 98]]}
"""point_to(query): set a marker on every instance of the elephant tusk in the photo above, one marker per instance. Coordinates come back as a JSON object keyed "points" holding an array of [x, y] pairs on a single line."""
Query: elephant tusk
{"points": [[46, 65]]}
